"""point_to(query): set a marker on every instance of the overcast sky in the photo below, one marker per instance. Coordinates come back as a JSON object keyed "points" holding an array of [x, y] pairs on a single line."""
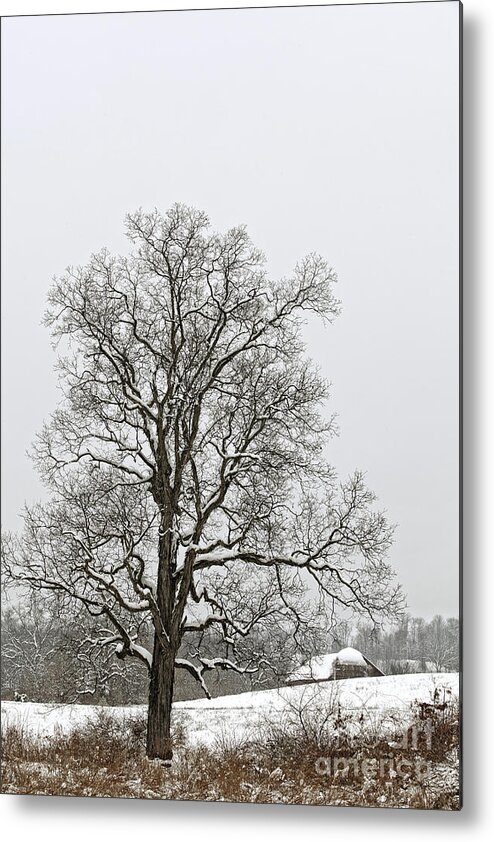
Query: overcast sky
{"points": [[322, 129]]}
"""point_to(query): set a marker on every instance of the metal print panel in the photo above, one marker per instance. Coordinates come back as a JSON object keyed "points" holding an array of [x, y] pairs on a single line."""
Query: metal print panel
{"points": [[231, 343]]}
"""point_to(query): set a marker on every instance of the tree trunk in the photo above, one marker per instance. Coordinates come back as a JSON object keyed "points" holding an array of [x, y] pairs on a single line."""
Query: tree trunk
{"points": [[159, 742]]}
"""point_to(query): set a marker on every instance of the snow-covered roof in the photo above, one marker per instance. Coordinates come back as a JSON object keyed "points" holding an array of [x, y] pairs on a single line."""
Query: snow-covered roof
{"points": [[351, 656], [318, 668], [321, 666]]}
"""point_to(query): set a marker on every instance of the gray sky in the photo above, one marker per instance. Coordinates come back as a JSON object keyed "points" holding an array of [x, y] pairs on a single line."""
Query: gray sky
{"points": [[328, 129]]}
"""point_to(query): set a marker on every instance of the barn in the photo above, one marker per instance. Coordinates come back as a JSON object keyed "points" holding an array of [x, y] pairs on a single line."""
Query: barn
{"points": [[347, 663]]}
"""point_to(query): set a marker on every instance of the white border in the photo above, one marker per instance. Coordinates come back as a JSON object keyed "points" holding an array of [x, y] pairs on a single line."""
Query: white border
{"points": [[81, 819]]}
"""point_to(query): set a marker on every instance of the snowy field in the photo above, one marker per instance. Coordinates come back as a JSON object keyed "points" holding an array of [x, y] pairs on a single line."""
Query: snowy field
{"points": [[384, 703]]}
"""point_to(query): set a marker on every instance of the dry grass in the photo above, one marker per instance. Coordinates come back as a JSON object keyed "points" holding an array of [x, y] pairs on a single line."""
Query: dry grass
{"points": [[313, 764]]}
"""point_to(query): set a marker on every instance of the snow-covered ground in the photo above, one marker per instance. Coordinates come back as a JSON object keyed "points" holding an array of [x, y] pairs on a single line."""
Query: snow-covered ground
{"points": [[383, 701]]}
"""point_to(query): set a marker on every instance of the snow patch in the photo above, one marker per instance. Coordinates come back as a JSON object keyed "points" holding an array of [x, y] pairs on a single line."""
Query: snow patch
{"points": [[204, 721]]}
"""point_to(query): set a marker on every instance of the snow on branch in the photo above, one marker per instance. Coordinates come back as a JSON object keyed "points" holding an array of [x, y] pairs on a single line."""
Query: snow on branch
{"points": [[209, 664]]}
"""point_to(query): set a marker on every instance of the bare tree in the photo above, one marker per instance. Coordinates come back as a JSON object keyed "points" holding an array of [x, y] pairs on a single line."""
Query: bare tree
{"points": [[442, 643], [188, 450], [50, 655], [30, 645]]}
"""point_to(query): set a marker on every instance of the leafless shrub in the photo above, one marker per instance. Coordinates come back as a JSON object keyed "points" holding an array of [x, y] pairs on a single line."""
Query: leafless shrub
{"points": [[281, 766]]}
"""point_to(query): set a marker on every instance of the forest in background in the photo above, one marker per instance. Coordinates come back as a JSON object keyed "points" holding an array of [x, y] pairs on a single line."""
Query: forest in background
{"points": [[47, 657]]}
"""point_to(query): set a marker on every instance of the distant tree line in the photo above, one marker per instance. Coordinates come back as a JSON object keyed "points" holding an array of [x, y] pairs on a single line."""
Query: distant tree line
{"points": [[411, 645], [49, 657]]}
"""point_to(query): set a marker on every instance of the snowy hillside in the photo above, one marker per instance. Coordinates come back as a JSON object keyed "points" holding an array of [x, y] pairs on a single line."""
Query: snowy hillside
{"points": [[384, 701]]}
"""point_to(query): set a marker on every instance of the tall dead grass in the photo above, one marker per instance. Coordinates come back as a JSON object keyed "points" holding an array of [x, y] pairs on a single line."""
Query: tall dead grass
{"points": [[310, 757]]}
